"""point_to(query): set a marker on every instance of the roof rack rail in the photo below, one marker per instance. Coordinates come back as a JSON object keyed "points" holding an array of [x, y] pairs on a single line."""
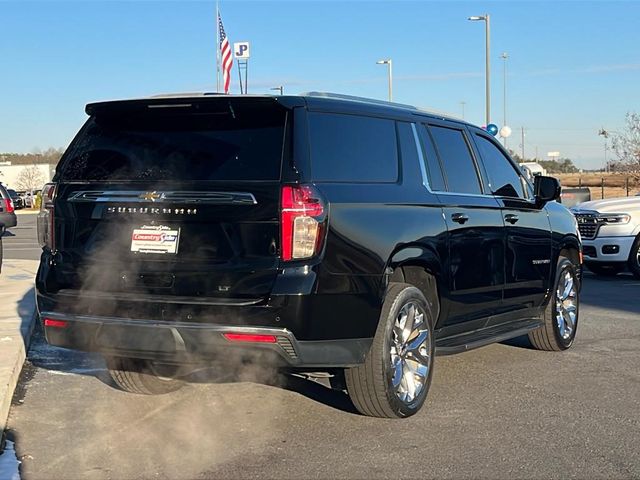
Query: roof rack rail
{"points": [[353, 98]]}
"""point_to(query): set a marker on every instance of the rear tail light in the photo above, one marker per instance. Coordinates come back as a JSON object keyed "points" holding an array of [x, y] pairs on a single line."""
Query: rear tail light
{"points": [[302, 221], [46, 236], [8, 205]]}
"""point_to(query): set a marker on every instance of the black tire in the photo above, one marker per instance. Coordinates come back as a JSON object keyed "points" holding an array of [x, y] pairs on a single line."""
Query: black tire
{"points": [[634, 258], [142, 376], [370, 385], [548, 336], [605, 269]]}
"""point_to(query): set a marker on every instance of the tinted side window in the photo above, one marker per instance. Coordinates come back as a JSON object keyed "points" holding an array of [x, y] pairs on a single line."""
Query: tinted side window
{"points": [[503, 178], [434, 169], [459, 167], [349, 148]]}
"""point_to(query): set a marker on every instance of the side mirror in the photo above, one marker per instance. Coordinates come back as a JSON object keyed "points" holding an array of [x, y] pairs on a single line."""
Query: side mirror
{"points": [[546, 189]]}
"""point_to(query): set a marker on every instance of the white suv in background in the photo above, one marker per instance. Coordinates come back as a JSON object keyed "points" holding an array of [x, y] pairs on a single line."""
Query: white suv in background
{"points": [[610, 231]]}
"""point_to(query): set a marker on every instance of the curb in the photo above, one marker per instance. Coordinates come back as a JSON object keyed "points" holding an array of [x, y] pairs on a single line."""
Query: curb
{"points": [[17, 320], [14, 375]]}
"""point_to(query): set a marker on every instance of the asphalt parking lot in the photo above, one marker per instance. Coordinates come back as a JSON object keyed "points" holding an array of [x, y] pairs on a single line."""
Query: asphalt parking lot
{"points": [[503, 411], [21, 241]]}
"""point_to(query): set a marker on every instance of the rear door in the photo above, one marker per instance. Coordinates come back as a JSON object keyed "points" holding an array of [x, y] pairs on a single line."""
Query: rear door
{"points": [[528, 231], [475, 230], [178, 200]]}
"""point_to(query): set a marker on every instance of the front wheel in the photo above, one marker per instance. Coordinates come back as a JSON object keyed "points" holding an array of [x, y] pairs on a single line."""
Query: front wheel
{"points": [[395, 378], [561, 315], [143, 376]]}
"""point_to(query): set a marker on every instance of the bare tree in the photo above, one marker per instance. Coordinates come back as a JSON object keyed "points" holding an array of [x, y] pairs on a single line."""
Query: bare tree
{"points": [[626, 145], [30, 178]]}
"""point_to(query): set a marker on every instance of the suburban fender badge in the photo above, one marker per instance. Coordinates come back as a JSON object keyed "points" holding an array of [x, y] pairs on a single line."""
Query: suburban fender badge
{"points": [[541, 262]]}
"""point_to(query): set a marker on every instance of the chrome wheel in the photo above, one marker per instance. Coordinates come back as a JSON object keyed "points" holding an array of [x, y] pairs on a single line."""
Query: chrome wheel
{"points": [[410, 352], [566, 305]]}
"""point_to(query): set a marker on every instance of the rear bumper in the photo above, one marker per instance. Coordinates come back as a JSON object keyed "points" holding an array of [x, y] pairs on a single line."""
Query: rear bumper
{"points": [[188, 342]]}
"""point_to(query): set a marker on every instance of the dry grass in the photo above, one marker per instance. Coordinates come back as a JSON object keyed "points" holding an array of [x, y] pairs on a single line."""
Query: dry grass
{"points": [[614, 183]]}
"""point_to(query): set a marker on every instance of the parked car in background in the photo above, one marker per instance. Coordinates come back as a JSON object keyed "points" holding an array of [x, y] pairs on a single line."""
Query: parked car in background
{"points": [[18, 203], [8, 217], [610, 231], [26, 199]]}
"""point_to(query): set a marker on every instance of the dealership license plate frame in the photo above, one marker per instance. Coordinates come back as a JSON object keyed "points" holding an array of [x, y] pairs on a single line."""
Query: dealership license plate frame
{"points": [[155, 239]]}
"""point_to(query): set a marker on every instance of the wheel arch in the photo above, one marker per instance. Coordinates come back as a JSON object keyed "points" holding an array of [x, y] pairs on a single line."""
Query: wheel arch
{"points": [[422, 268], [571, 248]]}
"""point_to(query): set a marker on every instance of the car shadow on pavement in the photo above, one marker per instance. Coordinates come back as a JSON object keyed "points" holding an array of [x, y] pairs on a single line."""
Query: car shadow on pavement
{"points": [[622, 292], [62, 361], [519, 342], [325, 390]]}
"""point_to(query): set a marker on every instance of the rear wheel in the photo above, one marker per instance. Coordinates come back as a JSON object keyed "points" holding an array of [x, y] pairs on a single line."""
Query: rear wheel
{"points": [[144, 376], [634, 258], [395, 378], [605, 269], [561, 315]]}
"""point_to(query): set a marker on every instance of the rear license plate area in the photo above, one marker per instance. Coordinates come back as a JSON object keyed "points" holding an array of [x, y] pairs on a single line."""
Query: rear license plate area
{"points": [[155, 239]]}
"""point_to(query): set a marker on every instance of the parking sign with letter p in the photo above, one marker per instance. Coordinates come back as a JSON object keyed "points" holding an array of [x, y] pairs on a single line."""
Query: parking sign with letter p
{"points": [[241, 50]]}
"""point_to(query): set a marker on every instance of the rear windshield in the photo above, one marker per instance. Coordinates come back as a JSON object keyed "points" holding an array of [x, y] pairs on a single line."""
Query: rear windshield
{"points": [[233, 144]]}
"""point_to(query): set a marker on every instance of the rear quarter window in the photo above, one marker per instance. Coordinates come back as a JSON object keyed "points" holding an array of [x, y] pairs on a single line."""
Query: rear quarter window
{"points": [[353, 149]]}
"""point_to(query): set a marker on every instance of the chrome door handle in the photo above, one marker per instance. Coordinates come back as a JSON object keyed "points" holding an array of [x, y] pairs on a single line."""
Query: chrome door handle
{"points": [[511, 218], [459, 217]]}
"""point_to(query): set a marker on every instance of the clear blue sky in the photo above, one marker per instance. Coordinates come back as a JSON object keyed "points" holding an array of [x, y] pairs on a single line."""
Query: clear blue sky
{"points": [[573, 66]]}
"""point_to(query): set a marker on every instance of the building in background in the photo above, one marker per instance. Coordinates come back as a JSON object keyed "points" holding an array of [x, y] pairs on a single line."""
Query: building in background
{"points": [[25, 177]]}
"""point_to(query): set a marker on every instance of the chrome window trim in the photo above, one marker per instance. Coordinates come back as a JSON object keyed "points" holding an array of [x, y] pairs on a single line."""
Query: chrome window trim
{"points": [[477, 195], [421, 159]]}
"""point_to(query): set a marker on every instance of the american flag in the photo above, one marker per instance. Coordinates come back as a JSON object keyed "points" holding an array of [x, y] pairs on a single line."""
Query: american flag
{"points": [[225, 56]]}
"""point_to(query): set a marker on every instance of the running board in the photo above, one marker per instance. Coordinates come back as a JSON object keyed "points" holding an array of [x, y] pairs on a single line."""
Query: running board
{"points": [[485, 336]]}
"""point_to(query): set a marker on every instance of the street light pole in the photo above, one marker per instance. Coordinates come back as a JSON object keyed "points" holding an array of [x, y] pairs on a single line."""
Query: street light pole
{"points": [[604, 133], [388, 62], [504, 57], [463, 103], [279, 88], [486, 19]]}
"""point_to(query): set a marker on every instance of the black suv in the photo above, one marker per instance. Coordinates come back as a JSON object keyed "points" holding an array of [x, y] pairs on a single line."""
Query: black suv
{"points": [[317, 232]]}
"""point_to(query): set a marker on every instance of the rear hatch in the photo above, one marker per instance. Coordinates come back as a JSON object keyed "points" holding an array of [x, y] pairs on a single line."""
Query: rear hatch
{"points": [[179, 200]]}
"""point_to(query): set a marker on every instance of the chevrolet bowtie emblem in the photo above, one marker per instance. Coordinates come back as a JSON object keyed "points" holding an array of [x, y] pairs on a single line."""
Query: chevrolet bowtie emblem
{"points": [[150, 196]]}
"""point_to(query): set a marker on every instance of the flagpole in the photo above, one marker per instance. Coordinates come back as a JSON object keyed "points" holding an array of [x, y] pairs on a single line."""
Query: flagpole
{"points": [[217, 47]]}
